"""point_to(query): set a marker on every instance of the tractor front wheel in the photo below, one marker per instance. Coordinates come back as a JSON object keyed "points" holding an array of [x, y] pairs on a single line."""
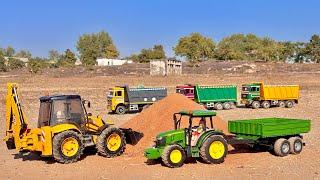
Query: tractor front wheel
{"points": [[111, 142], [67, 147], [173, 156], [214, 150]]}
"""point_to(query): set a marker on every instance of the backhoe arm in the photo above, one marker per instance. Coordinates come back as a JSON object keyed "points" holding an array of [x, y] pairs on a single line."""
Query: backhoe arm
{"points": [[16, 122]]}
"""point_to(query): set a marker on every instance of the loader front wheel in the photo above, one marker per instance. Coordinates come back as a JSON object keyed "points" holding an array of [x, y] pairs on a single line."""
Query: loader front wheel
{"points": [[67, 147], [111, 142]]}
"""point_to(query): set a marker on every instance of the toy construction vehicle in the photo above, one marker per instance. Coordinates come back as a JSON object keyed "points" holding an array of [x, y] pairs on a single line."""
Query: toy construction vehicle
{"points": [[281, 135], [64, 128]]}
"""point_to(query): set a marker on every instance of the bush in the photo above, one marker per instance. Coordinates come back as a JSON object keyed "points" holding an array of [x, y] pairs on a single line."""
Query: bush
{"points": [[3, 67], [37, 64], [15, 63]]}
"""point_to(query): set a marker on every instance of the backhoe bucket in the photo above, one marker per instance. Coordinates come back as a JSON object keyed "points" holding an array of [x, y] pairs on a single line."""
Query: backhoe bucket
{"points": [[132, 137]]}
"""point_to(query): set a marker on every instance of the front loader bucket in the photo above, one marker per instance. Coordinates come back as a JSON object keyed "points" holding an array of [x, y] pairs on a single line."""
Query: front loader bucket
{"points": [[132, 137]]}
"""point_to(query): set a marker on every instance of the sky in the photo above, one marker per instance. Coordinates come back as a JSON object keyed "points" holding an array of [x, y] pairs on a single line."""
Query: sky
{"points": [[42, 25]]}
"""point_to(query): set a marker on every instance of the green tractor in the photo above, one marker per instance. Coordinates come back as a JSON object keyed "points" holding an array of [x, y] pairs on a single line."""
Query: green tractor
{"points": [[198, 141]]}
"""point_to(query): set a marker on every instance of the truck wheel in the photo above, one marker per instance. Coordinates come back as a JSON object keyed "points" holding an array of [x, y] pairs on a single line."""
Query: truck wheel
{"points": [[265, 104], [214, 150], [111, 142], [295, 145], [255, 104], [281, 104], [173, 156], [281, 147], [289, 104], [121, 109], [67, 147], [226, 106], [218, 106]]}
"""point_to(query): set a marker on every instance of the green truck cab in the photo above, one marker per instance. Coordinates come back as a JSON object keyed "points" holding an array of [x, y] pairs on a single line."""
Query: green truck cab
{"points": [[174, 146], [282, 136]]}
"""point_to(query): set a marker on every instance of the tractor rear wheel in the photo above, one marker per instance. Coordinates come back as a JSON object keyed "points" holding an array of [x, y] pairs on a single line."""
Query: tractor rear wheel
{"points": [[121, 109], [296, 145], [67, 147], [281, 147], [173, 156], [111, 142], [214, 150], [218, 106]]}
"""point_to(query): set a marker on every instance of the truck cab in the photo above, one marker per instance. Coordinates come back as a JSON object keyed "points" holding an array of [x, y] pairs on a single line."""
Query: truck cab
{"points": [[250, 92], [115, 98], [186, 90]]}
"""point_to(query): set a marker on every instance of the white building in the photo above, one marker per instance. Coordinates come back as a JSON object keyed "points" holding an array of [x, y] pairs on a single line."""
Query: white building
{"points": [[165, 67], [112, 62]]}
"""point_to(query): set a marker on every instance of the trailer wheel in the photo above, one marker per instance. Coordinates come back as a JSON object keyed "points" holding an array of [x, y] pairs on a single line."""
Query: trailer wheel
{"points": [[289, 104], [173, 156], [296, 145], [281, 104], [226, 106], [214, 150], [281, 147], [265, 104], [121, 109], [218, 106], [255, 104]]}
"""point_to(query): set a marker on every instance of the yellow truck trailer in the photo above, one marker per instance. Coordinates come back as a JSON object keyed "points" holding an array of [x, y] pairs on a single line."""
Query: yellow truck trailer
{"points": [[257, 95]]}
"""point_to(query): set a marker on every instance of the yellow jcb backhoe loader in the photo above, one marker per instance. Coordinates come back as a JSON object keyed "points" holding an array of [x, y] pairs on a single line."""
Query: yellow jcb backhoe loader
{"points": [[64, 128]]}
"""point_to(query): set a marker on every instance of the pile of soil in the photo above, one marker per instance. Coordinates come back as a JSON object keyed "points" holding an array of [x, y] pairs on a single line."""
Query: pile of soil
{"points": [[159, 117]]}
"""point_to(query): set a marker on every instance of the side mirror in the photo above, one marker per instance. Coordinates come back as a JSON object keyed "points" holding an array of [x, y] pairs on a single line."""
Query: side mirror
{"points": [[89, 104]]}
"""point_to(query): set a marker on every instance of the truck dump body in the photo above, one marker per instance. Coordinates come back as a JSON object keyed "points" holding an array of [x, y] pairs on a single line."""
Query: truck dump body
{"points": [[269, 127], [278, 92], [145, 95], [226, 93]]}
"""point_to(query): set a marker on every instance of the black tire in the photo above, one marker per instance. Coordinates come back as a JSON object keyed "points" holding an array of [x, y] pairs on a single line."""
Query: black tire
{"points": [[281, 104], [218, 106], [102, 147], [296, 145], [204, 150], [121, 109], [255, 104], [265, 104], [289, 104], [59, 140], [226, 106], [167, 153], [281, 147]]}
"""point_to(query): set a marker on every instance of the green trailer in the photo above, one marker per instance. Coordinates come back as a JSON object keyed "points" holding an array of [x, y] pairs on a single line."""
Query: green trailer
{"points": [[216, 97], [282, 135]]}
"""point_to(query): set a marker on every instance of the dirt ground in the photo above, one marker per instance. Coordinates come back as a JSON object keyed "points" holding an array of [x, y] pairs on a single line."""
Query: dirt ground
{"points": [[237, 165]]}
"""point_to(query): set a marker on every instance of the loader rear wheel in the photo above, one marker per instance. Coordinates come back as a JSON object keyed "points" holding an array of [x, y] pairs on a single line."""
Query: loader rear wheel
{"points": [[218, 106], [67, 147], [281, 147], [121, 109], [173, 156], [214, 150], [111, 142], [296, 145]]}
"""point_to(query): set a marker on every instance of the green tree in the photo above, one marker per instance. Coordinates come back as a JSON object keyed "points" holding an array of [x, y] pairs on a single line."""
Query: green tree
{"points": [[9, 51], [145, 55], [195, 47], [53, 55], [92, 46], [14, 63], [313, 48], [23, 54], [3, 66], [68, 59]]}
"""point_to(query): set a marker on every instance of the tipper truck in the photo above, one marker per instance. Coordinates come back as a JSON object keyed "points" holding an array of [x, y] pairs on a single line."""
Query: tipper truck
{"points": [[258, 95], [212, 97], [201, 140], [122, 99]]}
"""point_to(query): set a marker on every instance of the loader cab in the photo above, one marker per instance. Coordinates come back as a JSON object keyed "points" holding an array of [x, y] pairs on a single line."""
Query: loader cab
{"points": [[61, 109], [250, 91]]}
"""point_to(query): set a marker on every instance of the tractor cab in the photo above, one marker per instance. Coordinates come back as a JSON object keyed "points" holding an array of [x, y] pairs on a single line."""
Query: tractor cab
{"points": [[61, 109]]}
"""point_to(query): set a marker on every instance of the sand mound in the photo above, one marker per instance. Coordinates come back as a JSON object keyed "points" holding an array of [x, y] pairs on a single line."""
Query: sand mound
{"points": [[159, 117]]}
